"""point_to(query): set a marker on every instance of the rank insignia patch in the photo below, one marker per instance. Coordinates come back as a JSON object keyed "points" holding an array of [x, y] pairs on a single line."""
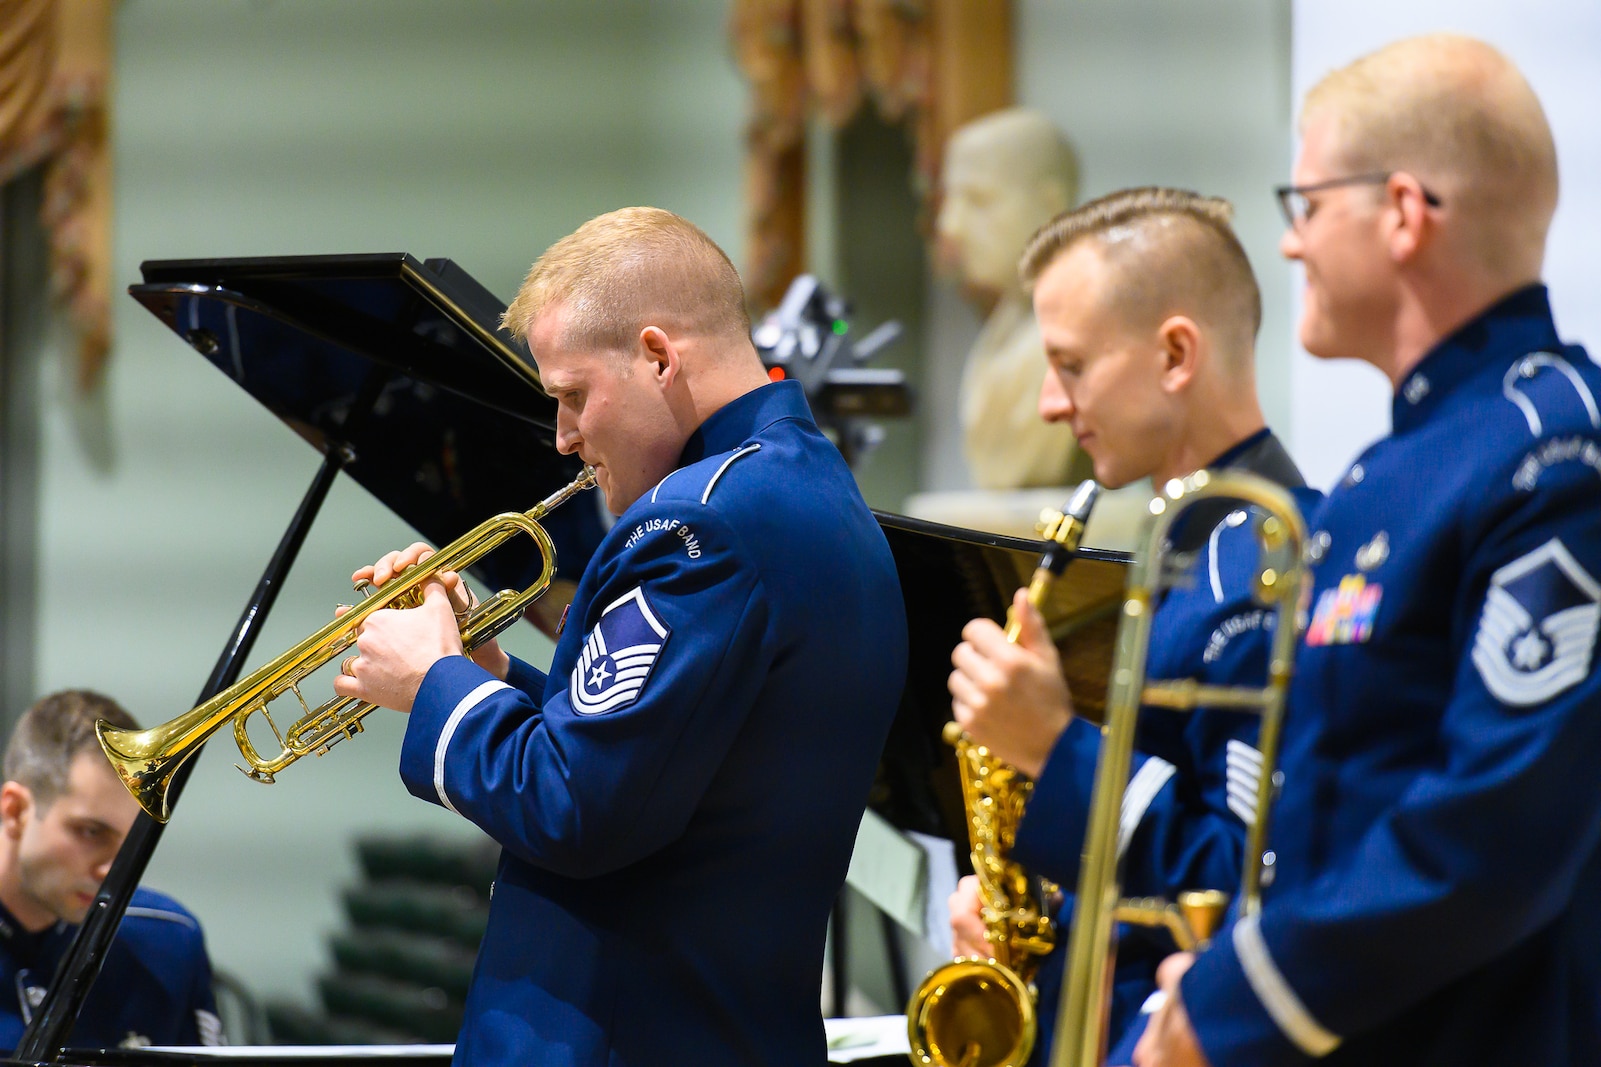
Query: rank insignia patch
{"points": [[618, 656], [1344, 616], [1538, 629]]}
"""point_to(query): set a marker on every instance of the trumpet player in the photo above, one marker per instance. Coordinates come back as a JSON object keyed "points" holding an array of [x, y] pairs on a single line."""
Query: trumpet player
{"points": [[678, 796], [1149, 312], [63, 816], [1438, 898]]}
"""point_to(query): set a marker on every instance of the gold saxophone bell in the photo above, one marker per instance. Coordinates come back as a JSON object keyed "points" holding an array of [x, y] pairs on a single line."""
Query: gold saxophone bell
{"points": [[976, 1011], [146, 760], [1081, 1021]]}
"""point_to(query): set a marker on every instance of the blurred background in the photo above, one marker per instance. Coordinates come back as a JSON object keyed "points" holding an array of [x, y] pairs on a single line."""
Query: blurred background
{"points": [[140, 497]]}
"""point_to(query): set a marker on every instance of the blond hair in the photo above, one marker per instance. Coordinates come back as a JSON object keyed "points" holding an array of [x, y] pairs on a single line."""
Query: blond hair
{"points": [[1172, 250], [1457, 115], [54, 732], [628, 269]]}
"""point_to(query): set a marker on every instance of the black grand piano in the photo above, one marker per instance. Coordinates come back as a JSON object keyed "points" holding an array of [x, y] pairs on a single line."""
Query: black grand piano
{"points": [[396, 371]]}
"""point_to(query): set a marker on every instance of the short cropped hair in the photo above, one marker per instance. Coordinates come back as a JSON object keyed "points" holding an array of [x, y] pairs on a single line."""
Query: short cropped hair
{"points": [[632, 268], [1460, 117], [52, 733], [1171, 247]]}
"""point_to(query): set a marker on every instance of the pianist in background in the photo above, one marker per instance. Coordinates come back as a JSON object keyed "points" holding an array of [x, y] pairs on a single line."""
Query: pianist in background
{"points": [[63, 815], [1149, 312], [677, 799]]}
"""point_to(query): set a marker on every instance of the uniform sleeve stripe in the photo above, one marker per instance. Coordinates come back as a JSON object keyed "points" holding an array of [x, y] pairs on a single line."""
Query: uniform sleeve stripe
{"points": [[468, 702], [1286, 1009], [747, 450], [1142, 789]]}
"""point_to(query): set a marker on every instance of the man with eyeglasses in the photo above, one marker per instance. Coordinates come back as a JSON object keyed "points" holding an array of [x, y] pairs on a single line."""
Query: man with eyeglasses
{"points": [[1437, 897]]}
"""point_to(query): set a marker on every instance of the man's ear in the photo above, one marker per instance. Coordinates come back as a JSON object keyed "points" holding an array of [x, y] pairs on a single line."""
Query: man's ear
{"points": [[1181, 343], [16, 802], [1407, 224], [661, 353]]}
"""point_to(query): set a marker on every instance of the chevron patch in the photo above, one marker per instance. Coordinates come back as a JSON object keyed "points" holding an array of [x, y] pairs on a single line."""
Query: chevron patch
{"points": [[618, 656], [1538, 629], [1244, 776]]}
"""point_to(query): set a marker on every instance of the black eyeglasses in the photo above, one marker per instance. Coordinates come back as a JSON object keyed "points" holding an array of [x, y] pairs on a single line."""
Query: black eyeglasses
{"points": [[1296, 207]]}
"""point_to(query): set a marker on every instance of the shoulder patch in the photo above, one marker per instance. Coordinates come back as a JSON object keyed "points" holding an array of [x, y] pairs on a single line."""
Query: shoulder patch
{"points": [[1526, 369], [1538, 628], [618, 655]]}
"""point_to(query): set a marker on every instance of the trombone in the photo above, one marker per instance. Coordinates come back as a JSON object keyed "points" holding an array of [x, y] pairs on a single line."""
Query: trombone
{"points": [[1082, 1017], [146, 760]]}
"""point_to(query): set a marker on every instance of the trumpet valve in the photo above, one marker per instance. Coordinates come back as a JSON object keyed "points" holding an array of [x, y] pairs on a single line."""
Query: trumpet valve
{"points": [[349, 728]]}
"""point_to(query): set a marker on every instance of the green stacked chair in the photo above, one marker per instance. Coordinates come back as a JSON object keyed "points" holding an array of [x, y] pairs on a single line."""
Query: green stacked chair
{"points": [[402, 965]]}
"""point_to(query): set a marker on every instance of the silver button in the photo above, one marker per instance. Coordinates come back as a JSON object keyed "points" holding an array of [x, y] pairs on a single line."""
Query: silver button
{"points": [[1355, 474]]}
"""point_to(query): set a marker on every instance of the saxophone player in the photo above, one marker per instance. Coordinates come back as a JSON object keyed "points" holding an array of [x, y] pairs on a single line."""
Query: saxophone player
{"points": [[1149, 311]]}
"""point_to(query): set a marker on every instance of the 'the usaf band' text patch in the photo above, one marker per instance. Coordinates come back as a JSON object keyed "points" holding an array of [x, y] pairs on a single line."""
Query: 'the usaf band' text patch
{"points": [[618, 655], [1539, 625]]}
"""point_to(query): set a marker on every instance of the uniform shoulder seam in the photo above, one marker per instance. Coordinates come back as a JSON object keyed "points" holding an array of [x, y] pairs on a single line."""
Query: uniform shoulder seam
{"points": [[696, 481], [164, 915]]}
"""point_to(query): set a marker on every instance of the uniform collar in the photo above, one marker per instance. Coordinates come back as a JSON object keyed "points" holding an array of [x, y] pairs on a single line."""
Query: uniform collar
{"points": [[743, 417], [1514, 326], [22, 944], [1232, 454]]}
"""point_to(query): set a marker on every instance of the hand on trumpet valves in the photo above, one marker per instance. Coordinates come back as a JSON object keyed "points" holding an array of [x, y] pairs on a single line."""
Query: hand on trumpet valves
{"points": [[1011, 698], [488, 655], [967, 920], [1169, 1039], [395, 647]]}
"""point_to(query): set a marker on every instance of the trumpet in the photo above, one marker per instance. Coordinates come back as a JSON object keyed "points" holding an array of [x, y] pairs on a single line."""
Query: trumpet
{"points": [[146, 760], [1081, 1022], [975, 1011]]}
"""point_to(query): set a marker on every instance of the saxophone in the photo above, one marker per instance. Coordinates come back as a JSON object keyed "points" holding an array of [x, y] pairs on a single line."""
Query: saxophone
{"points": [[975, 1011]]}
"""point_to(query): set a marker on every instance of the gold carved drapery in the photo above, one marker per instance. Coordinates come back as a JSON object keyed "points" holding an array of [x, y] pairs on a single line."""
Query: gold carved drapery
{"points": [[928, 64], [55, 83]]}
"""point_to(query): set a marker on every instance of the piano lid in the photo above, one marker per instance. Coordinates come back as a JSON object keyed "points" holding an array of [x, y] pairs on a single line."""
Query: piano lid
{"points": [[948, 576], [404, 365]]}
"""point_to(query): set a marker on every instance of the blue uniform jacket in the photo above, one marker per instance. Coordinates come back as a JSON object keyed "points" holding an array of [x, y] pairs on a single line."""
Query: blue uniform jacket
{"points": [[1194, 776], [677, 801], [1438, 897], [154, 988]]}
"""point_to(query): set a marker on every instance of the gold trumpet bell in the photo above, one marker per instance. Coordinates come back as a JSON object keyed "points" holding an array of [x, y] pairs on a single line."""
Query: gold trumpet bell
{"points": [[138, 757], [972, 1012]]}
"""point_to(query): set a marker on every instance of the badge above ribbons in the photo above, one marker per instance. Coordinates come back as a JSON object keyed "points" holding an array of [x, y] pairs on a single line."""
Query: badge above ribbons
{"points": [[618, 655], [1538, 630]]}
